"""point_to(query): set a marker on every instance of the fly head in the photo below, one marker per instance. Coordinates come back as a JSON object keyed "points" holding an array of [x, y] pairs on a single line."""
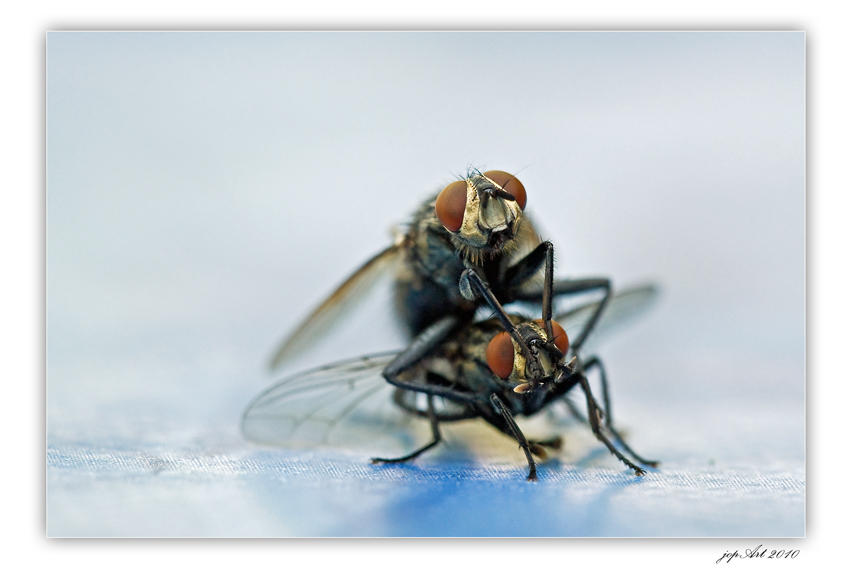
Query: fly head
{"points": [[533, 365], [483, 212]]}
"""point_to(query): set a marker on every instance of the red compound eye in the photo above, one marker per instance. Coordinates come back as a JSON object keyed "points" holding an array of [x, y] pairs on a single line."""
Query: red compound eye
{"points": [[562, 342], [500, 355], [451, 204], [510, 184]]}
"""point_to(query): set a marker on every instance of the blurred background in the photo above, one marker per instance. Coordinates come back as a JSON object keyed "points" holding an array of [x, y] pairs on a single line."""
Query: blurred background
{"points": [[206, 190]]}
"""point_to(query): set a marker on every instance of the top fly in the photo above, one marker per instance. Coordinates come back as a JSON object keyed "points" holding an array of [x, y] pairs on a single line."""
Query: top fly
{"points": [[475, 223]]}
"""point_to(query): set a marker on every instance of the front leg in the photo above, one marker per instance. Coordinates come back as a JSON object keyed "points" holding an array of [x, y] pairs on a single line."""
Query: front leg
{"points": [[530, 265], [593, 414], [435, 431], [571, 287], [516, 433], [423, 344], [608, 417], [473, 288]]}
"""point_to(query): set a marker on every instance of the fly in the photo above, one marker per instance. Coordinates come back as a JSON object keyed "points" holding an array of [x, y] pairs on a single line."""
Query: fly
{"points": [[494, 370], [475, 223]]}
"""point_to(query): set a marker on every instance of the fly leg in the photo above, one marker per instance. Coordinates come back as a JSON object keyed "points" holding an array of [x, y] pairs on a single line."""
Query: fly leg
{"points": [[593, 413], [422, 344], [606, 400], [435, 431], [399, 380], [570, 287], [539, 447], [574, 410], [567, 287], [517, 434], [472, 286], [530, 265], [408, 405]]}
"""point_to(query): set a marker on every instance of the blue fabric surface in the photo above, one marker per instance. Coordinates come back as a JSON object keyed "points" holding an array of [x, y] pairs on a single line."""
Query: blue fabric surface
{"points": [[158, 452], [103, 492], [174, 464]]}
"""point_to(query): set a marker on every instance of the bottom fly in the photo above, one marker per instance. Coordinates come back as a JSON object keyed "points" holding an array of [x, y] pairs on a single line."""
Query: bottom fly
{"points": [[494, 370], [500, 368]]}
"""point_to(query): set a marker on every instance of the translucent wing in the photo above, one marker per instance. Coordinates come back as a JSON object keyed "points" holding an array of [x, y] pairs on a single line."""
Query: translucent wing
{"points": [[623, 307], [347, 404], [335, 307]]}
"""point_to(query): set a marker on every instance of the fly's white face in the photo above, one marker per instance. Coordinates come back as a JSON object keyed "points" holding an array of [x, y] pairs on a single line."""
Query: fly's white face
{"points": [[484, 210]]}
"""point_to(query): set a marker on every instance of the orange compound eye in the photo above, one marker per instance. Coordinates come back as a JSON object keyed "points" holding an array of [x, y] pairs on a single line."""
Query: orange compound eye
{"points": [[510, 184], [451, 204], [562, 342], [500, 355]]}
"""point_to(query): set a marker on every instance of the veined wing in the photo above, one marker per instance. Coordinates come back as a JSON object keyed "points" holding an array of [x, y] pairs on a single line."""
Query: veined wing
{"points": [[347, 404], [622, 308], [335, 307]]}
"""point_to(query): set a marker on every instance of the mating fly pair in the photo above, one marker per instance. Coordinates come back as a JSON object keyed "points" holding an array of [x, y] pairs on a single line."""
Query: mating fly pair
{"points": [[470, 247]]}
